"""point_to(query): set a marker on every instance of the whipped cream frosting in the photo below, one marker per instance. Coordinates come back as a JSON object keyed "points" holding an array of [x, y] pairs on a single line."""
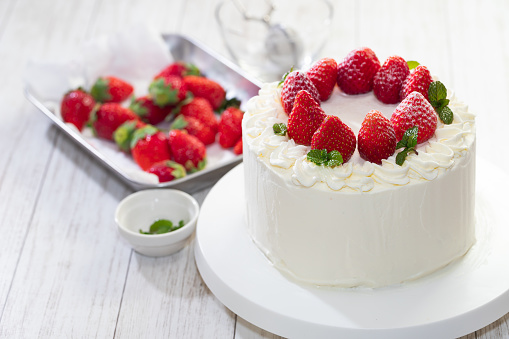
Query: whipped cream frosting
{"points": [[358, 224], [434, 156]]}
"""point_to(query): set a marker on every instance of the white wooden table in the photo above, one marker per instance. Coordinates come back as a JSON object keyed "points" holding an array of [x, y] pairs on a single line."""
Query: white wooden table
{"points": [[66, 273]]}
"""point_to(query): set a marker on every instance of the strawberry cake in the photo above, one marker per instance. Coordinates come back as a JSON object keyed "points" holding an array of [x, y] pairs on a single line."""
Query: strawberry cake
{"points": [[359, 173]]}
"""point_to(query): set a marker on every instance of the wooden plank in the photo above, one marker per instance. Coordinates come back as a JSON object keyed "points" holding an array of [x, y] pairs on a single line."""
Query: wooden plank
{"points": [[27, 143]]}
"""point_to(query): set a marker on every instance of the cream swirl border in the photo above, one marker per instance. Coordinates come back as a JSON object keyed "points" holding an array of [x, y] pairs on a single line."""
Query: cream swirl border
{"points": [[439, 154]]}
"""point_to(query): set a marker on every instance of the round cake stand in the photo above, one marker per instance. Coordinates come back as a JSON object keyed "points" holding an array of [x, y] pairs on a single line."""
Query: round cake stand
{"points": [[466, 295]]}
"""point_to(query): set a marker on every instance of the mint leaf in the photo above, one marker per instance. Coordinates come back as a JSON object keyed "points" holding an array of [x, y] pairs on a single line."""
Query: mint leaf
{"points": [[412, 134], [412, 64], [279, 129], [321, 157], [400, 158], [446, 115], [163, 226], [441, 103], [436, 92], [409, 138], [408, 141], [318, 156], [334, 158]]}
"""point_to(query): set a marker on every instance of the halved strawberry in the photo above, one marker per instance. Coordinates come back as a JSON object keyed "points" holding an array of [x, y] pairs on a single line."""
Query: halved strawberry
{"points": [[111, 89], [76, 107], [414, 110], [389, 79], [194, 127], [324, 74], [294, 82], [187, 150], [206, 88], [376, 139], [167, 90], [305, 118], [167, 170], [178, 68], [149, 146], [108, 117], [148, 111], [357, 70], [230, 127], [417, 81], [334, 135]]}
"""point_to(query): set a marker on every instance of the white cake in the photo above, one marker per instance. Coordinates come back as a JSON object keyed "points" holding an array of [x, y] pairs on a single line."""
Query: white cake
{"points": [[358, 224]]}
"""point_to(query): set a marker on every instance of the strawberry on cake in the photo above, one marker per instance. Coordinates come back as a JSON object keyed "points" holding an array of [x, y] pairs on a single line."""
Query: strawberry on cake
{"points": [[359, 174]]}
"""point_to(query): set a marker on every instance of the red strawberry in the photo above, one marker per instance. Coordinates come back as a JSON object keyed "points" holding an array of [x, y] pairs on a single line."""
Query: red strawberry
{"points": [[123, 135], [377, 139], [202, 87], [111, 89], [334, 135], [237, 149], [294, 82], [305, 118], [167, 90], [200, 109], [415, 110], [149, 146], [187, 150], [230, 127], [76, 107], [167, 170], [180, 69], [194, 127], [323, 74], [417, 81], [148, 111], [108, 118], [389, 79], [357, 70]]}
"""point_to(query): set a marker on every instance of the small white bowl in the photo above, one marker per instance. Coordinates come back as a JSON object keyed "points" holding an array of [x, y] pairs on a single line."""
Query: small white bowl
{"points": [[139, 210]]}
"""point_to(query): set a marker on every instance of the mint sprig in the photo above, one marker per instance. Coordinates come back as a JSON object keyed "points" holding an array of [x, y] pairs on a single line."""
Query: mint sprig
{"points": [[279, 129], [163, 226], [408, 142], [437, 94], [323, 158]]}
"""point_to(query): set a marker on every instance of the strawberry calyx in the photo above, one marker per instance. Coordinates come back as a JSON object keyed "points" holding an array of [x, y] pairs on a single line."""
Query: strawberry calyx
{"points": [[437, 94], [163, 94], [137, 107], [176, 111], [191, 69], [93, 118], [283, 78], [179, 123], [178, 171], [279, 129], [192, 169], [232, 102], [124, 134], [408, 143], [100, 90], [323, 158], [412, 64], [142, 133]]}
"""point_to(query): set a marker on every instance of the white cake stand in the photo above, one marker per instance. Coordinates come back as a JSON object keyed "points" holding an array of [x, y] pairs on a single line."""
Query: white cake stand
{"points": [[459, 299]]}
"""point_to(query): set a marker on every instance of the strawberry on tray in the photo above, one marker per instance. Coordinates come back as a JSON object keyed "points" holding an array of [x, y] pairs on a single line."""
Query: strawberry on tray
{"points": [[176, 90]]}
